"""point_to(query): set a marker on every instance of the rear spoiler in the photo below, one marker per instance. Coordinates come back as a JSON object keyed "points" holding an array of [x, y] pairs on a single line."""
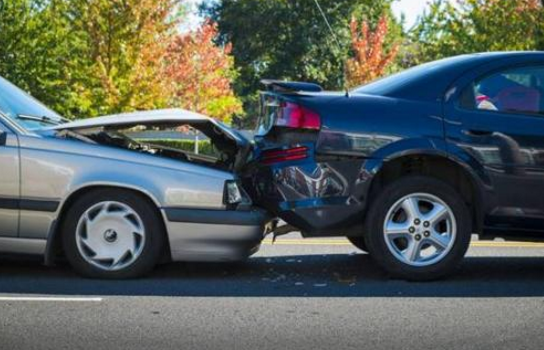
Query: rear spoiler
{"points": [[290, 86]]}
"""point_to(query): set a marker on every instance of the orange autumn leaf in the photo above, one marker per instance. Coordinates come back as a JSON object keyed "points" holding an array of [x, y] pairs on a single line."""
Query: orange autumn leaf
{"points": [[201, 74], [370, 59]]}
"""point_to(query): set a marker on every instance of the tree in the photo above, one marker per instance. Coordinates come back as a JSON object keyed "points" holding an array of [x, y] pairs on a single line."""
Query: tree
{"points": [[37, 49], [201, 74], [370, 57], [91, 57], [478, 26], [288, 39], [126, 42]]}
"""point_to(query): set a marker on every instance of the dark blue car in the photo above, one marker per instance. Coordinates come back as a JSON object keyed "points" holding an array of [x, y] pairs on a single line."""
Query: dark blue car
{"points": [[408, 167]]}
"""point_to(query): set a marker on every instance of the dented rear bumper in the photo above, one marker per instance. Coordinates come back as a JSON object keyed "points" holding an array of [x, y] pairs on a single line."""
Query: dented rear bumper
{"points": [[317, 197]]}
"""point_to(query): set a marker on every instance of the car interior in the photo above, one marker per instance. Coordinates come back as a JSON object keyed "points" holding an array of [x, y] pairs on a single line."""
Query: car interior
{"points": [[518, 91]]}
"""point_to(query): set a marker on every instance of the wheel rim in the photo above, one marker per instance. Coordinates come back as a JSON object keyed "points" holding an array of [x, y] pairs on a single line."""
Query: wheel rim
{"points": [[110, 236], [420, 229]]}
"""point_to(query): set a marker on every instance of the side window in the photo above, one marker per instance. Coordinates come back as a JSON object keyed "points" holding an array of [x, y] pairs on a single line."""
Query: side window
{"points": [[519, 90]]}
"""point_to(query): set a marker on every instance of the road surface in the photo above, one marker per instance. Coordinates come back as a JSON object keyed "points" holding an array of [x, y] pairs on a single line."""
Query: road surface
{"points": [[295, 294]]}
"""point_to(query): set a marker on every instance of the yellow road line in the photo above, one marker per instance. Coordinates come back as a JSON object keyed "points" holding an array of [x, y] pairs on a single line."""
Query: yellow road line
{"points": [[342, 242]]}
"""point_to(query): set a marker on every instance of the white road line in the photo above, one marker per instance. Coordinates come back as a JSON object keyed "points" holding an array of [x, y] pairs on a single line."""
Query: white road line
{"points": [[57, 299]]}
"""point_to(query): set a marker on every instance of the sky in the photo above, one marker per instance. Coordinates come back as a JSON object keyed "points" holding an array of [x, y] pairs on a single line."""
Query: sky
{"points": [[411, 9]]}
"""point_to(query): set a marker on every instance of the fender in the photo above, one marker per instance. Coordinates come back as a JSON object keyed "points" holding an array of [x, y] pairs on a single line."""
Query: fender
{"points": [[428, 147], [52, 240], [481, 182]]}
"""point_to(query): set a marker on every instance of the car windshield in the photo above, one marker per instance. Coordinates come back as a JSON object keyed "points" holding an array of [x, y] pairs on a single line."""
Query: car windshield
{"points": [[25, 110]]}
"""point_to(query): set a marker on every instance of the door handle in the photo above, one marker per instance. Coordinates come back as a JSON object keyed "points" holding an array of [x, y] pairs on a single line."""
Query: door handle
{"points": [[473, 132]]}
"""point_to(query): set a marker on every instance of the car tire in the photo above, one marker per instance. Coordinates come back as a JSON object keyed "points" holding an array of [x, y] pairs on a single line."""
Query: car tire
{"points": [[113, 234], [419, 244], [358, 242]]}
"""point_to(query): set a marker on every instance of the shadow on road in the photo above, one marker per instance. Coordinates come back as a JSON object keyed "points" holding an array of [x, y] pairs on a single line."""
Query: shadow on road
{"points": [[287, 276]]}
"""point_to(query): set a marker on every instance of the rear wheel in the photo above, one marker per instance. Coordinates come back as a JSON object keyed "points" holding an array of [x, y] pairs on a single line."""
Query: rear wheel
{"points": [[112, 234], [418, 228]]}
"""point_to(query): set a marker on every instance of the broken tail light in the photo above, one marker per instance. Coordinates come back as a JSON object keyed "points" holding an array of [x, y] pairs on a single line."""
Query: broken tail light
{"points": [[284, 155]]}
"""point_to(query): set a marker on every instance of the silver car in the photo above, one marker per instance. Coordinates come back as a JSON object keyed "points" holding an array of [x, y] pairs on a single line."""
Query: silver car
{"points": [[115, 201]]}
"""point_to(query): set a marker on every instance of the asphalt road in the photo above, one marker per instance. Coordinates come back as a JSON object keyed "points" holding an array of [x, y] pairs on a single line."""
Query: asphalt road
{"points": [[311, 294]]}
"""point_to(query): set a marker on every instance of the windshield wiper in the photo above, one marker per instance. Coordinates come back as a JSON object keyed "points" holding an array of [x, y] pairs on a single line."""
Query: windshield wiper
{"points": [[43, 119]]}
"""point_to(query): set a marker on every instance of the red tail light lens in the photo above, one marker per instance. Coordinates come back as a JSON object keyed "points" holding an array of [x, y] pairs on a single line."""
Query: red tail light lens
{"points": [[284, 155], [292, 115]]}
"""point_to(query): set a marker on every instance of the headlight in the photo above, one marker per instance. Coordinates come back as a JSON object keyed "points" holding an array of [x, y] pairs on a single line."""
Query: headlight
{"points": [[234, 194]]}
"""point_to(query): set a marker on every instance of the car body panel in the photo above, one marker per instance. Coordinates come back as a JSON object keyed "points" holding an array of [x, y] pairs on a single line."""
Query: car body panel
{"points": [[47, 170], [509, 147], [204, 235], [17, 245], [10, 189], [406, 115], [326, 193]]}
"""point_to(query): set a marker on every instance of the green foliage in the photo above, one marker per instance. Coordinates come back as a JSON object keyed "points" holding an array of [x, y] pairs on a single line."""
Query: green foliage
{"points": [[125, 42], [85, 58], [470, 26], [96, 57], [39, 50], [288, 39]]}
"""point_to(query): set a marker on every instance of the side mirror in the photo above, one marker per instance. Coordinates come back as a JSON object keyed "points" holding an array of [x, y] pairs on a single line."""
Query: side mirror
{"points": [[3, 138]]}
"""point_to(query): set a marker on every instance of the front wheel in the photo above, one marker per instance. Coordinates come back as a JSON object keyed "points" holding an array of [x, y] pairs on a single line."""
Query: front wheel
{"points": [[112, 234], [418, 228]]}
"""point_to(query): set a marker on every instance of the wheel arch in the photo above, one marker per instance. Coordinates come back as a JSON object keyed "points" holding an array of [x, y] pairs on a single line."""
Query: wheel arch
{"points": [[436, 164], [54, 239]]}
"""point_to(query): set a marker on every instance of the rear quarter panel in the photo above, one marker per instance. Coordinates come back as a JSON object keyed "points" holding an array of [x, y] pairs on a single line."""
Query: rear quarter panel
{"points": [[327, 193]]}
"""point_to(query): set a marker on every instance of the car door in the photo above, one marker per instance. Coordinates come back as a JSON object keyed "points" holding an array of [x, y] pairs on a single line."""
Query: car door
{"points": [[9, 183], [498, 118]]}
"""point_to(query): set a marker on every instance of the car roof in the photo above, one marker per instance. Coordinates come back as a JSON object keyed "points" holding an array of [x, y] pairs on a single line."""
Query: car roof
{"points": [[430, 81]]}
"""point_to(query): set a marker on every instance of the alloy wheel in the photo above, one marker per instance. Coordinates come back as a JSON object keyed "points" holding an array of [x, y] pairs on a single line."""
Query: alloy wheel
{"points": [[420, 229]]}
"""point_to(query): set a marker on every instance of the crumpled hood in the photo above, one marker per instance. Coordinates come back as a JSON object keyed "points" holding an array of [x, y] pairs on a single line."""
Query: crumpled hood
{"points": [[135, 118], [148, 118]]}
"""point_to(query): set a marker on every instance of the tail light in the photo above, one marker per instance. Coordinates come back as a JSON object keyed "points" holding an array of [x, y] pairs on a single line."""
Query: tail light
{"points": [[284, 155], [292, 115]]}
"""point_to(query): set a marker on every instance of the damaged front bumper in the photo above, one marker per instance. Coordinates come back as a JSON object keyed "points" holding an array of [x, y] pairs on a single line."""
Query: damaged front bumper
{"points": [[216, 235]]}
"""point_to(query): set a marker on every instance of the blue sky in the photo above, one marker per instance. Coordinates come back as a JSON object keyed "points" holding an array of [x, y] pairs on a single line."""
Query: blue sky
{"points": [[411, 9]]}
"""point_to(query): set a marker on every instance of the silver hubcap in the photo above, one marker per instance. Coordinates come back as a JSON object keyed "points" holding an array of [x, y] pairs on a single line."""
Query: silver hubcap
{"points": [[420, 229], [110, 236]]}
